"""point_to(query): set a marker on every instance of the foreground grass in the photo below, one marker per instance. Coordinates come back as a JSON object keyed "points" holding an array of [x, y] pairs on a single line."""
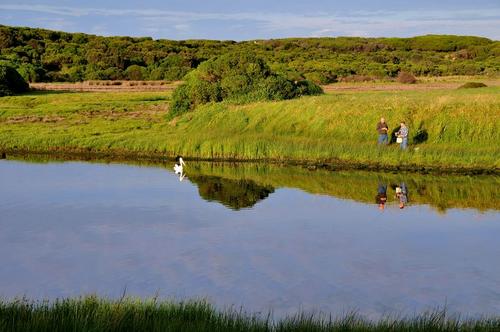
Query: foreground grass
{"points": [[95, 314], [448, 128]]}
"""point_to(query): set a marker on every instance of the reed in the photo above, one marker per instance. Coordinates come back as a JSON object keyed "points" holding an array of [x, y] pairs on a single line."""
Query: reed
{"points": [[92, 313]]}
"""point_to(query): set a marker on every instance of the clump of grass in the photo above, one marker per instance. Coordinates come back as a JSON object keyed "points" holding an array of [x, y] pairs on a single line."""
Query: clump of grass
{"points": [[127, 314], [406, 78], [473, 85]]}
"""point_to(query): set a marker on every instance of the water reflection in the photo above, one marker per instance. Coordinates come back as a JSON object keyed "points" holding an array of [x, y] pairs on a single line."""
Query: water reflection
{"points": [[235, 194], [242, 185], [402, 194], [179, 168], [314, 241], [381, 197], [441, 192]]}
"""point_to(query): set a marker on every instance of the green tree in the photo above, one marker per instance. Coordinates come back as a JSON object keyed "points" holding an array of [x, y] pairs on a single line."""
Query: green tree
{"points": [[11, 82], [236, 76]]}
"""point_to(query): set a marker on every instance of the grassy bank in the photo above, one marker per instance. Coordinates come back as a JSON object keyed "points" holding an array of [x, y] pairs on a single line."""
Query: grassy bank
{"points": [[450, 129], [94, 314]]}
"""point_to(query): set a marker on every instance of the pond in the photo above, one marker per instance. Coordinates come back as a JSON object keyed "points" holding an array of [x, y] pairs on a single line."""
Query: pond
{"points": [[261, 237]]}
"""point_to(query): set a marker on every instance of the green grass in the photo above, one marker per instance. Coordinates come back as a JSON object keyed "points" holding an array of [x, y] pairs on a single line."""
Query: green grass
{"points": [[127, 314], [462, 127]]}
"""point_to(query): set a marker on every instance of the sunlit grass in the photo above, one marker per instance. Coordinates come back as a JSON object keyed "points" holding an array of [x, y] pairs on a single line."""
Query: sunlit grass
{"points": [[462, 127]]}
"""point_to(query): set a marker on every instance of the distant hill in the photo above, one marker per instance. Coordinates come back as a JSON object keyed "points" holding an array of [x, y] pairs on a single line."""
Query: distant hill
{"points": [[42, 55]]}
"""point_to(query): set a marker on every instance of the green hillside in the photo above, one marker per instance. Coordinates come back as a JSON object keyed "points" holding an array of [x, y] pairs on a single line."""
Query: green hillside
{"points": [[46, 56]]}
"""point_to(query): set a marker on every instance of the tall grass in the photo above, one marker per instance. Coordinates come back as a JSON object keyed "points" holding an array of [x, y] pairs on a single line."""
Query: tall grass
{"points": [[96, 314], [461, 127]]}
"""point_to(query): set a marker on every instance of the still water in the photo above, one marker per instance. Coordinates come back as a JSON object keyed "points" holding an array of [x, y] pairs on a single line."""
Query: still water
{"points": [[258, 236]]}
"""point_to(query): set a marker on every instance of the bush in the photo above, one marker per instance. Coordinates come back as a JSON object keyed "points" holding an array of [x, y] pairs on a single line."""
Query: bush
{"points": [[112, 73], [31, 73], [241, 77], [473, 85], [136, 73], [11, 82], [406, 78]]}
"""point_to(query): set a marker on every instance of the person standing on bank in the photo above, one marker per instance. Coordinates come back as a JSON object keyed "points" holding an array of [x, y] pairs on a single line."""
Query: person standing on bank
{"points": [[402, 136], [382, 129]]}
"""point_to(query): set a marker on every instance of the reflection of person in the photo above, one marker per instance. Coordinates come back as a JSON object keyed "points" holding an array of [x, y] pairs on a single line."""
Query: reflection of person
{"points": [[402, 195], [402, 136], [382, 129], [381, 197]]}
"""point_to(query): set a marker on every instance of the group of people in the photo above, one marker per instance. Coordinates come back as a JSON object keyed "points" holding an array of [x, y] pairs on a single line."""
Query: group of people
{"points": [[401, 194], [401, 134]]}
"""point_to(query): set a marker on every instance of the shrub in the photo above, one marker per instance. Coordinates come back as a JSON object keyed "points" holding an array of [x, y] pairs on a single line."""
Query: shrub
{"points": [[11, 81], [113, 73], [136, 73], [241, 77], [473, 85], [406, 78]]}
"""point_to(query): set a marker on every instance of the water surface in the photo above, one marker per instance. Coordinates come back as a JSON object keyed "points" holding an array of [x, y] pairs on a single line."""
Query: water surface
{"points": [[258, 236]]}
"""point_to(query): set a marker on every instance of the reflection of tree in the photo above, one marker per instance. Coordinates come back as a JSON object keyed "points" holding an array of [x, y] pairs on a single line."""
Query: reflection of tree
{"points": [[235, 194]]}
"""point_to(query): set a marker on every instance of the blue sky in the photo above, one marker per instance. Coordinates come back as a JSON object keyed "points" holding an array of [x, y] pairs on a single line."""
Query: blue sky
{"points": [[257, 19]]}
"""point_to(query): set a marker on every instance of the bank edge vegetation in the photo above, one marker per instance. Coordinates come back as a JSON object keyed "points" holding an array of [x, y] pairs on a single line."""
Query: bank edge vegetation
{"points": [[128, 314], [448, 128]]}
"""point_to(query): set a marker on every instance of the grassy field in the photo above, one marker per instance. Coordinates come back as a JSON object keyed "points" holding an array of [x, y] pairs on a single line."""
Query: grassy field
{"points": [[449, 129], [94, 314]]}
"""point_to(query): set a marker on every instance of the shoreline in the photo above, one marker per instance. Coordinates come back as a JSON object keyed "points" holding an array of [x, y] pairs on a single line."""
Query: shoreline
{"points": [[94, 313], [331, 165]]}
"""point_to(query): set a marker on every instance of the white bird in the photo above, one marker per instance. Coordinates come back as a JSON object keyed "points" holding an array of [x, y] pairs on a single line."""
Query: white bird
{"points": [[179, 166]]}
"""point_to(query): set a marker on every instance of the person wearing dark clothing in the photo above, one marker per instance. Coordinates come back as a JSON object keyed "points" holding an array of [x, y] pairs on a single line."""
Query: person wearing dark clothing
{"points": [[382, 129], [381, 197]]}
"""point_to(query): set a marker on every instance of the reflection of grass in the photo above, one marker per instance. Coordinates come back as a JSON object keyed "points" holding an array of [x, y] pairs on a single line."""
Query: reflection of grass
{"points": [[233, 193], [441, 192], [462, 127], [94, 314]]}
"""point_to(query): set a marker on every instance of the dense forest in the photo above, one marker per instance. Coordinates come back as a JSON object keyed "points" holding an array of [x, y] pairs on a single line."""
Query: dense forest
{"points": [[47, 56]]}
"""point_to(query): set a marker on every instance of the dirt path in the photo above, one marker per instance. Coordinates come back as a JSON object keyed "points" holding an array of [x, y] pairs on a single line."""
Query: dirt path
{"points": [[107, 86], [389, 86], [144, 86]]}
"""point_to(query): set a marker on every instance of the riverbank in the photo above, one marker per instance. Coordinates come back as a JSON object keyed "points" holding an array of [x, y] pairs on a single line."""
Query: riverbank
{"points": [[450, 130], [129, 314]]}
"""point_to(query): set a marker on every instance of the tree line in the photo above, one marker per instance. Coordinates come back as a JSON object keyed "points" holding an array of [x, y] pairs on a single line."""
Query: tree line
{"points": [[41, 55]]}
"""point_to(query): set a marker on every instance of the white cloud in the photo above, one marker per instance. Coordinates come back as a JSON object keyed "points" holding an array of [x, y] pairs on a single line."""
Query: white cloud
{"points": [[362, 23]]}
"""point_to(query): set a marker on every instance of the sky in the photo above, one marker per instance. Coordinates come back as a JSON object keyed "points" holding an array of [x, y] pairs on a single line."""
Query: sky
{"points": [[257, 19]]}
